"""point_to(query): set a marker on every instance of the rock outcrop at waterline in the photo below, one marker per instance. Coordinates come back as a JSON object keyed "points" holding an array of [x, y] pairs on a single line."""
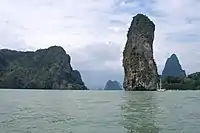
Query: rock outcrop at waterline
{"points": [[44, 69], [139, 65]]}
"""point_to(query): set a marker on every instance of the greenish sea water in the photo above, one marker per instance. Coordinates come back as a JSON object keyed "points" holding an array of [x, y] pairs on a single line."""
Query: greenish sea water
{"points": [[33, 111]]}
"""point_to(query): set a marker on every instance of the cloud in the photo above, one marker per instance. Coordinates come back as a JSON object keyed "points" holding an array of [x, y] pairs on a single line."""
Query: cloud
{"points": [[98, 63], [94, 32], [99, 78], [184, 37], [177, 32], [99, 57]]}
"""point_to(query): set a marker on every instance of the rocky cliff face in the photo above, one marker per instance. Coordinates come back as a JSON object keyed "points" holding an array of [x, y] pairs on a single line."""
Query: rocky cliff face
{"points": [[173, 68], [44, 69], [112, 85], [139, 65]]}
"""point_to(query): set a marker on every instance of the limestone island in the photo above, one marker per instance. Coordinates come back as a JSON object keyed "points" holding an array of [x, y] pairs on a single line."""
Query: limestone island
{"points": [[43, 69], [139, 66]]}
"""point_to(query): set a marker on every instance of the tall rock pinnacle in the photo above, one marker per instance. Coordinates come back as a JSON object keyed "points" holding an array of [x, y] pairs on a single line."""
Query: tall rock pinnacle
{"points": [[139, 65]]}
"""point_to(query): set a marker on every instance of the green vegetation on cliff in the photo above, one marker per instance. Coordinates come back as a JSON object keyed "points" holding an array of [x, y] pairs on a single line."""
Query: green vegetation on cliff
{"points": [[192, 82], [44, 69]]}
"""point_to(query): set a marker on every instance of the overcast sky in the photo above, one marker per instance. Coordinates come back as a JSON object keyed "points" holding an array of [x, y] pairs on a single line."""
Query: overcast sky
{"points": [[93, 32]]}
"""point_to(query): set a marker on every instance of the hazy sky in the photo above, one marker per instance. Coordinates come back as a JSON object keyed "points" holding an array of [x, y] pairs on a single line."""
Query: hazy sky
{"points": [[93, 32]]}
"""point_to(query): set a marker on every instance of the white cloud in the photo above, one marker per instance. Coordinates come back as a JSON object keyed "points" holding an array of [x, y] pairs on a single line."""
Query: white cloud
{"points": [[84, 29], [45, 23], [180, 18]]}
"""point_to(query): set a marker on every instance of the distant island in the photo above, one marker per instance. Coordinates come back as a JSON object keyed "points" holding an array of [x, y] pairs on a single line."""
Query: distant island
{"points": [[43, 69], [112, 85], [173, 68], [191, 82], [174, 78]]}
